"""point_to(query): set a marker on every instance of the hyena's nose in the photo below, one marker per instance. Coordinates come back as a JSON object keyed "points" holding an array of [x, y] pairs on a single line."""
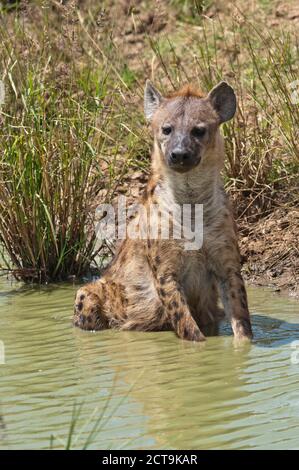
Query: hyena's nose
{"points": [[180, 158]]}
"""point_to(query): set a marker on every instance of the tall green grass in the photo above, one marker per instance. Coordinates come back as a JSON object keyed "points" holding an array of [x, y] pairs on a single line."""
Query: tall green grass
{"points": [[49, 181], [60, 136]]}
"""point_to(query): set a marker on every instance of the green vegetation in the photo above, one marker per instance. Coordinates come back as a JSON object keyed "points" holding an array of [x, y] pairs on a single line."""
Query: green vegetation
{"points": [[61, 138], [72, 127], [82, 435]]}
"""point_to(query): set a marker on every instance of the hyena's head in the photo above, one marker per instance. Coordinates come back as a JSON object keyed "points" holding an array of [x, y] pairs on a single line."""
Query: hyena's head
{"points": [[186, 124]]}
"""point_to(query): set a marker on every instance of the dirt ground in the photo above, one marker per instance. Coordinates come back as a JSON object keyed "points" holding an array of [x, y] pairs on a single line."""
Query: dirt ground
{"points": [[270, 253]]}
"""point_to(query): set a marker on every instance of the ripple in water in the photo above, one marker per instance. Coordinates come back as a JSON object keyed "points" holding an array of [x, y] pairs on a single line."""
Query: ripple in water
{"points": [[149, 390]]}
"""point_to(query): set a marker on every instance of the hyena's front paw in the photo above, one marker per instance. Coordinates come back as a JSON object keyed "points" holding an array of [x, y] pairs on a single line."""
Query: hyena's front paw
{"points": [[191, 332], [242, 329], [87, 311]]}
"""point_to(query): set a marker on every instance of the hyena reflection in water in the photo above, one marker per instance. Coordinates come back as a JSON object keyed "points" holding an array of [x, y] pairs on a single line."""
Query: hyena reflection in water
{"points": [[156, 284]]}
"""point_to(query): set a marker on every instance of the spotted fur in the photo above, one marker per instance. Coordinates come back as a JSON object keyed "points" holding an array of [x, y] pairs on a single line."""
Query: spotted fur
{"points": [[155, 284]]}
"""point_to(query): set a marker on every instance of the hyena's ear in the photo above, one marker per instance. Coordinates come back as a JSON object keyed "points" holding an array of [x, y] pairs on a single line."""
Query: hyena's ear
{"points": [[152, 100], [223, 100]]}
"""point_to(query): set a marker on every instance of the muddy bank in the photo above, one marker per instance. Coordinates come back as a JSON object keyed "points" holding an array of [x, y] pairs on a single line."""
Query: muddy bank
{"points": [[270, 252]]}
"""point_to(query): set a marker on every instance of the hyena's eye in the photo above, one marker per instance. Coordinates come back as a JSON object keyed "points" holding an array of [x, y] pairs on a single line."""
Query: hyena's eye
{"points": [[166, 130], [199, 131]]}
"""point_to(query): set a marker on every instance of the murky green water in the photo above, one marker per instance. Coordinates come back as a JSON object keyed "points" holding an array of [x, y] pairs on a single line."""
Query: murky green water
{"points": [[154, 390]]}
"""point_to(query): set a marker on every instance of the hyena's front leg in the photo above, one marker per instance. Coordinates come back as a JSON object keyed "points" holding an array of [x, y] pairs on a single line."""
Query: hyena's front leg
{"points": [[174, 302], [234, 299], [233, 294], [178, 311]]}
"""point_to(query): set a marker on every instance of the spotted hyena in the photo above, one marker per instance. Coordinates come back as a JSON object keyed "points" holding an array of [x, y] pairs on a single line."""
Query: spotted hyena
{"points": [[156, 284]]}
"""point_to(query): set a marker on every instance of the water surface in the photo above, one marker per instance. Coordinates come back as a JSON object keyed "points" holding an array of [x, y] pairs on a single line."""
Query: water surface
{"points": [[151, 389]]}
